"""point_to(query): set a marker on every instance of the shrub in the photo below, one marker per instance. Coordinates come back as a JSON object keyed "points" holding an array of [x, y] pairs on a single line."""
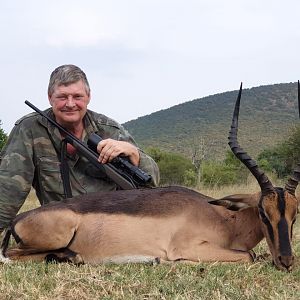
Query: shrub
{"points": [[174, 168]]}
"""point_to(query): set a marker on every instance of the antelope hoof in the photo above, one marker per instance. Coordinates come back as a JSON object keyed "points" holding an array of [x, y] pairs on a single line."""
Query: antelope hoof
{"points": [[263, 257], [252, 256], [77, 259], [156, 261], [4, 260], [74, 258]]}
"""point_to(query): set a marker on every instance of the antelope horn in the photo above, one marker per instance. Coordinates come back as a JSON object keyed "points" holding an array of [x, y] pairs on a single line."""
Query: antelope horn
{"points": [[263, 181], [292, 183]]}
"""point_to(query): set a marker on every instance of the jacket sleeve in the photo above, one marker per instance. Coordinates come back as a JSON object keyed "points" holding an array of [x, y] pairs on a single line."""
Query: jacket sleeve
{"points": [[16, 173], [148, 165]]}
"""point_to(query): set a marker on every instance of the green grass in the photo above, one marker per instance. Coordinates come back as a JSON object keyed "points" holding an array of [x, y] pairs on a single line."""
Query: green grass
{"points": [[259, 280], [136, 281]]}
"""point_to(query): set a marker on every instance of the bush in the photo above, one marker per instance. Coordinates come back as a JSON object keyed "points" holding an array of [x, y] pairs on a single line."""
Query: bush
{"points": [[174, 168], [218, 174], [229, 171]]}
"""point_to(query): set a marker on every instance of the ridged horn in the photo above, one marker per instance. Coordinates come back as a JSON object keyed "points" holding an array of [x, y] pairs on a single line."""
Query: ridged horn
{"points": [[292, 183], [263, 181]]}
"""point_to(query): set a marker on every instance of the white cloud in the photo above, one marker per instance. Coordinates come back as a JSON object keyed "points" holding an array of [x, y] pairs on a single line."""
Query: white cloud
{"points": [[144, 55], [79, 27]]}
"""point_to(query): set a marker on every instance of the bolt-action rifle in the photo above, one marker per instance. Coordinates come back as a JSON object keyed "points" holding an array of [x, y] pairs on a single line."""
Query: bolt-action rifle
{"points": [[120, 170]]}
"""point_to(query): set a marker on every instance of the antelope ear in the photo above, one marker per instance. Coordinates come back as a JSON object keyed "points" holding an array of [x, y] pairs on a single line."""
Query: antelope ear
{"points": [[229, 204], [238, 201]]}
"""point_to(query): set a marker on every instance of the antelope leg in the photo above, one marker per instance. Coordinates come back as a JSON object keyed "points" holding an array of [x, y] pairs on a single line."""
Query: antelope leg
{"points": [[60, 255], [209, 253]]}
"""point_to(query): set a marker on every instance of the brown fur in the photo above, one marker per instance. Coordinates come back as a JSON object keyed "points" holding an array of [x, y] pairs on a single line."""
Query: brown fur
{"points": [[143, 202], [170, 223]]}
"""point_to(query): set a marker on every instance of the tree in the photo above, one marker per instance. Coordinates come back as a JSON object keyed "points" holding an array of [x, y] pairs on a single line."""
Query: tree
{"points": [[199, 153], [3, 137], [275, 160], [282, 157], [291, 148]]}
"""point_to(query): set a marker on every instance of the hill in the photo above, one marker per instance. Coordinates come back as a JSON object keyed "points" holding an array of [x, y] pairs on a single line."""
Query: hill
{"points": [[266, 115]]}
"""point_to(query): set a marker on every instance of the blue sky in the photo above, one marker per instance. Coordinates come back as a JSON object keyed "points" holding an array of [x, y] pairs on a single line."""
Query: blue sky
{"points": [[142, 56]]}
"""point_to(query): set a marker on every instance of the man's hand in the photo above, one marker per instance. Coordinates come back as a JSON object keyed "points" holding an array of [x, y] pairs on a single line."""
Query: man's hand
{"points": [[109, 149]]}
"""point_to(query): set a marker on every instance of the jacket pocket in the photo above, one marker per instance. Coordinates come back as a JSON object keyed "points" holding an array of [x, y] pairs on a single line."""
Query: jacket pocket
{"points": [[50, 176]]}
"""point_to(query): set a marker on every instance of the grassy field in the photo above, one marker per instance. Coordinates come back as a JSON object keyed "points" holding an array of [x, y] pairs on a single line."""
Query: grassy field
{"points": [[259, 280]]}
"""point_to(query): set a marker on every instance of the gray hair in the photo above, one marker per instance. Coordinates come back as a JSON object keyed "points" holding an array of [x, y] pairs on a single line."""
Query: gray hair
{"points": [[65, 75]]}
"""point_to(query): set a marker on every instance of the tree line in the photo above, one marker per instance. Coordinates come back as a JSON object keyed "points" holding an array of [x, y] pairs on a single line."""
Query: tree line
{"points": [[278, 160], [176, 169]]}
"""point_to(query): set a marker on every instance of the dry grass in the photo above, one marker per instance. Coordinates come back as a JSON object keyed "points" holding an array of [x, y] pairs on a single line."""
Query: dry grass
{"points": [[138, 281], [251, 186]]}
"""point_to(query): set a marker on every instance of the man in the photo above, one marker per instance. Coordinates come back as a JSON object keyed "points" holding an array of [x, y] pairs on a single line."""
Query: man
{"points": [[33, 154]]}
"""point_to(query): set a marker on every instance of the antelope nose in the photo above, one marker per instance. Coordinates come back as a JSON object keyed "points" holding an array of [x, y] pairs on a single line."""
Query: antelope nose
{"points": [[286, 261]]}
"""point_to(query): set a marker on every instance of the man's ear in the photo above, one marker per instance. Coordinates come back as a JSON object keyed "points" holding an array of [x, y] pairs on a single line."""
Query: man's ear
{"points": [[50, 100]]}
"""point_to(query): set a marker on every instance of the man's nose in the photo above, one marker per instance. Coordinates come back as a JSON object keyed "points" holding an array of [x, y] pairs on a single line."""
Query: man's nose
{"points": [[70, 101]]}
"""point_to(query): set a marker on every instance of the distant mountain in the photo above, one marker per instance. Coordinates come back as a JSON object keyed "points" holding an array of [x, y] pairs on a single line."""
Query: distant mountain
{"points": [[266, 115]]}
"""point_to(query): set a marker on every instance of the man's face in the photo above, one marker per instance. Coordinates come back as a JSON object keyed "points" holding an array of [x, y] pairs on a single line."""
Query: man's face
{"points": [[69, 103]]}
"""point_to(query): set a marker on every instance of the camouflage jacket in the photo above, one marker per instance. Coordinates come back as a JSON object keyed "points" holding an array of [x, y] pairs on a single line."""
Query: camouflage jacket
{"points": [[31, 158]]}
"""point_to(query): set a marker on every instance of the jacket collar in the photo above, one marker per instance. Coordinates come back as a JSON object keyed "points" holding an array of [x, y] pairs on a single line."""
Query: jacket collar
{"points": [[55, 136]]}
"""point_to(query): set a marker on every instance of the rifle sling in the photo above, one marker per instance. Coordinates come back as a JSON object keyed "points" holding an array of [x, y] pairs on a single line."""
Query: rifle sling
{"points": [[64, 170]]}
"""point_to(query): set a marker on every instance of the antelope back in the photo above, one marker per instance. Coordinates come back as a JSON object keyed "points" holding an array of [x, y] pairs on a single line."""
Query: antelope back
{"points": [[277, 206]]}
